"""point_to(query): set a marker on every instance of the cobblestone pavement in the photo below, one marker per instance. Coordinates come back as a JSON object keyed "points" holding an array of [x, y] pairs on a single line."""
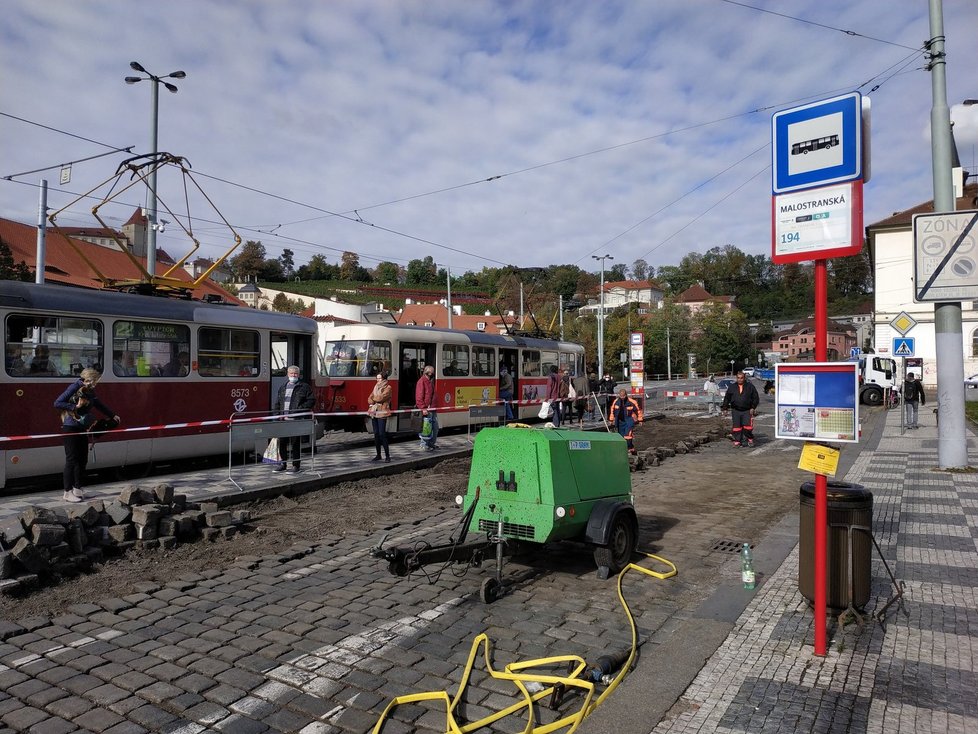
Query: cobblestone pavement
{"points": [[915, 674]]}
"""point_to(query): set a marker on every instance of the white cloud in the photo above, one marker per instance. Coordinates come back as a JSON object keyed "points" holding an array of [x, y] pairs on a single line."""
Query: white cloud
{"points": [[347, 104]]}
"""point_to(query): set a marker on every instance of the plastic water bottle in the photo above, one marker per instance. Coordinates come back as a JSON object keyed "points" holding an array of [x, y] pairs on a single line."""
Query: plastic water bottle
{"points": [[747, 566]]}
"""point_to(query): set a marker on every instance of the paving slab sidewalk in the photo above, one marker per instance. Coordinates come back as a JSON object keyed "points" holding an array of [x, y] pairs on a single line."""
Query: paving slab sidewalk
{"points": [[917, 672]]}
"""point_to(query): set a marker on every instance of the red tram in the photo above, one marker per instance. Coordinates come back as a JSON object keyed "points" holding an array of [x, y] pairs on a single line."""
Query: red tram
{"points": [[466, 370], [174, 370]]}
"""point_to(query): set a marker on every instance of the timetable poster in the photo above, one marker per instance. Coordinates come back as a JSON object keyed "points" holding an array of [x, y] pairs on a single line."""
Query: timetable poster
{"points": [[817, 401]]}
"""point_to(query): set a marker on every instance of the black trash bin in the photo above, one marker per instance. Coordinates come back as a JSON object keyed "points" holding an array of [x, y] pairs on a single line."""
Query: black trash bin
{"points": [[850, 507]]}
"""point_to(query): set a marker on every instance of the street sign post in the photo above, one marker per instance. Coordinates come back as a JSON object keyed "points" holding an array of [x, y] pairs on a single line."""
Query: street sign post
{"points": [[855, 352], [945, 256]]}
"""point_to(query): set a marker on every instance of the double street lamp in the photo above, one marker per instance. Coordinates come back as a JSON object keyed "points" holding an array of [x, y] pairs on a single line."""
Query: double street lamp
{"points": [[602, 258], [151, 214]]}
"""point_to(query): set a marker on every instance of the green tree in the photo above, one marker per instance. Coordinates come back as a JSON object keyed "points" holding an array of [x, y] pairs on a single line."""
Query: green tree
{"points": [[248, 263], [283, 303], [640, 269], [422, 272], [271, 271], [562, 280], [617, 272], [387, 272], [287, 259], [9, 270], [318, 269], [720, 335]]}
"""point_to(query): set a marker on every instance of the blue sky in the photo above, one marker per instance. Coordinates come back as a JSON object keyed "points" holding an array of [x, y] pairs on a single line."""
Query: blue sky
{"points": [[635, 128]]}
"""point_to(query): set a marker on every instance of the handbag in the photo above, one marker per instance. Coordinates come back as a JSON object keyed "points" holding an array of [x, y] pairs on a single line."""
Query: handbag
{"points": [[571, 393], [426, 428], [271, 453], [546, 410]]}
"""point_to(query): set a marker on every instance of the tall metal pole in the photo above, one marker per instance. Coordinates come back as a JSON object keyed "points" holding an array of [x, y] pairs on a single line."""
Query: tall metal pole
{"points": [[821, 481], [560, 306], [42, 213], [602, 258], [952, 442], [668, 356], [151, 214], [448, 272]]}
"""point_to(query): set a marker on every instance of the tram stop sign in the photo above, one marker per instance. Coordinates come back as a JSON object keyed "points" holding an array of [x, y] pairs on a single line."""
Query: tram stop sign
{"points": [[945, 256]]}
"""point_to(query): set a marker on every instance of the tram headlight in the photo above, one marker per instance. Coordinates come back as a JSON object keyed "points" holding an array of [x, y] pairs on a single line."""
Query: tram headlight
{"points": [[560, 512]]}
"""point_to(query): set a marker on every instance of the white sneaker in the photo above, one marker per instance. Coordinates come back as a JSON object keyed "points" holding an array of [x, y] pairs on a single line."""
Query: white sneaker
{"points": [[78, 493], [70, 497]]}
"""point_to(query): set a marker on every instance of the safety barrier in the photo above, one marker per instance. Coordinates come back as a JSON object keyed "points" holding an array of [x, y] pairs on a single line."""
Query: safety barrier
{"points": [[245, 433], [484, 416]]}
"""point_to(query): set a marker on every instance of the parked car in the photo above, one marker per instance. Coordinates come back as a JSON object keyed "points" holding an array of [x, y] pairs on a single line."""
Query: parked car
{"points": [[724, 384], [971, 383], [749, 371]]}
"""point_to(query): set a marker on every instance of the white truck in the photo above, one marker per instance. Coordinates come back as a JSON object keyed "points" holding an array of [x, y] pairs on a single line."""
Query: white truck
{"points": [[877, 375]]}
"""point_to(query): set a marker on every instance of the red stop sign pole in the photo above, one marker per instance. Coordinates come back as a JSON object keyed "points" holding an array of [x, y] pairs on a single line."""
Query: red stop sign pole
{"points": [[821, 481]]}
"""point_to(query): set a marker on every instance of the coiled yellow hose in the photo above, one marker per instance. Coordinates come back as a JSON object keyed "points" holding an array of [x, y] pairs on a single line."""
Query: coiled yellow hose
{"points": [[517, 673]]}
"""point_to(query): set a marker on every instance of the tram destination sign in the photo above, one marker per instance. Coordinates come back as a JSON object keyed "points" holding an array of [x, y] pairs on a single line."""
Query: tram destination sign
{"points": [[945, 256]]}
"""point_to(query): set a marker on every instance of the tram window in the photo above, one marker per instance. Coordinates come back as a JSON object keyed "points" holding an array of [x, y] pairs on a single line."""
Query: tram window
{"points": [[483, 361], [51, 346], [227, 352], [531, 363], [150, 349], [341, 357], [571, 363], [548, 359], [378, 359], [454, 360]]}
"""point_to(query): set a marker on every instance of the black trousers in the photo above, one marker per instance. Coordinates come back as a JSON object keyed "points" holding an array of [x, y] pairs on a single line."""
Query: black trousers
{"points": [[290, 445], [76, 457]]}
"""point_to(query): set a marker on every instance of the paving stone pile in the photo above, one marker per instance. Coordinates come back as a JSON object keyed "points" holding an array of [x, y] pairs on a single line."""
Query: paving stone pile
{"points": [[655, 456], [43, 542]]}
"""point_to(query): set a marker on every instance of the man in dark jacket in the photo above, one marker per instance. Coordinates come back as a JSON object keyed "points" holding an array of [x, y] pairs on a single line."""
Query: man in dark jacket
{"points": [[294, 398], [742, 400], [607, 388], [913, 392]]}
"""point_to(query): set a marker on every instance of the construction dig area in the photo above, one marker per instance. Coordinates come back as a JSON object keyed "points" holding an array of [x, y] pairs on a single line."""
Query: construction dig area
{"points": [[217, 537]]}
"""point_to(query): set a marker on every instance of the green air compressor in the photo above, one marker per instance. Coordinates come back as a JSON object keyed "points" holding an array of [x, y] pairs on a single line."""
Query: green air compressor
{"points": [[534, 486]]}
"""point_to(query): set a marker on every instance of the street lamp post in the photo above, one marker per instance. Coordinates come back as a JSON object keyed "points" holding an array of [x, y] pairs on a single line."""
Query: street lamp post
{"points": [[602, 258], [151, 214]]}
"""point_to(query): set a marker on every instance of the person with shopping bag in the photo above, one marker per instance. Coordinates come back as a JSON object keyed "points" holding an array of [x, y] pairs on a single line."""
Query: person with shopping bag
{"points": [[424, 400], [379, 409]]}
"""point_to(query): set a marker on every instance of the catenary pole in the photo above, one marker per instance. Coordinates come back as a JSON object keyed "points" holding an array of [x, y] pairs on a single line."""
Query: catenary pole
{"points": [[820, 535], [952, 442], [42, 213]]}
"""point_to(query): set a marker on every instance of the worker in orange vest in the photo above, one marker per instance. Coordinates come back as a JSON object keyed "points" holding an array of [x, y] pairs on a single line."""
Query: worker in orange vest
{"points": [[624, 414]]}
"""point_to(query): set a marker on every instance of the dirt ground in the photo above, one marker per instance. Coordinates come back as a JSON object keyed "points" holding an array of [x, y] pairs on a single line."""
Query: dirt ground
{"points": [[361, 507]]}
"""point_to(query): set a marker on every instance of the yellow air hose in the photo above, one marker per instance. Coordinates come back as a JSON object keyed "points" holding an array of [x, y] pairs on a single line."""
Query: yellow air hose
{"points": [[516, 672]]}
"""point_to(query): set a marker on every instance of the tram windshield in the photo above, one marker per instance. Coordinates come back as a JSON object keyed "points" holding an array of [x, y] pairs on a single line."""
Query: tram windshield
{"points": [[357, 358]]}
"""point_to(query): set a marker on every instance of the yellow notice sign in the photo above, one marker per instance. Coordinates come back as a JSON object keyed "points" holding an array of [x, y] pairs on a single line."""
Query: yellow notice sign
{"points": [[819, 459]]}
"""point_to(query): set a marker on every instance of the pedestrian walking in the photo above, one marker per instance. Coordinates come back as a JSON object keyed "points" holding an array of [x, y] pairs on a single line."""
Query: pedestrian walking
{"points": [[742, 400], [579, 383], [76, 404], [506, 390], [625, 414], [379, 408], [424, 400], [712, 390], [295, 400], [913, 392], [592, 393], [606, 388], [553, 394]]}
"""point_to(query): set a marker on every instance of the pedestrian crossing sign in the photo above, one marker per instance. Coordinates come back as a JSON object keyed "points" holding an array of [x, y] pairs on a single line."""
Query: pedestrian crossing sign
{"points": [[903, 346]]}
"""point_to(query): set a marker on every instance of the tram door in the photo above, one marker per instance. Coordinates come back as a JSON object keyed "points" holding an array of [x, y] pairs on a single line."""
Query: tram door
{"points": [[287, 349], [414, 357]]}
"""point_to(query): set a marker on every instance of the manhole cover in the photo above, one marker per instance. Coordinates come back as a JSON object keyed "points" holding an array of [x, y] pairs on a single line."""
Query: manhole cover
{"points": [[729, 546]]}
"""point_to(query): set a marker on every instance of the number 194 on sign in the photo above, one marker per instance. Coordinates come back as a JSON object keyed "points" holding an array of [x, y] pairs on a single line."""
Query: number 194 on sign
{"points": [[789, 237]]}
